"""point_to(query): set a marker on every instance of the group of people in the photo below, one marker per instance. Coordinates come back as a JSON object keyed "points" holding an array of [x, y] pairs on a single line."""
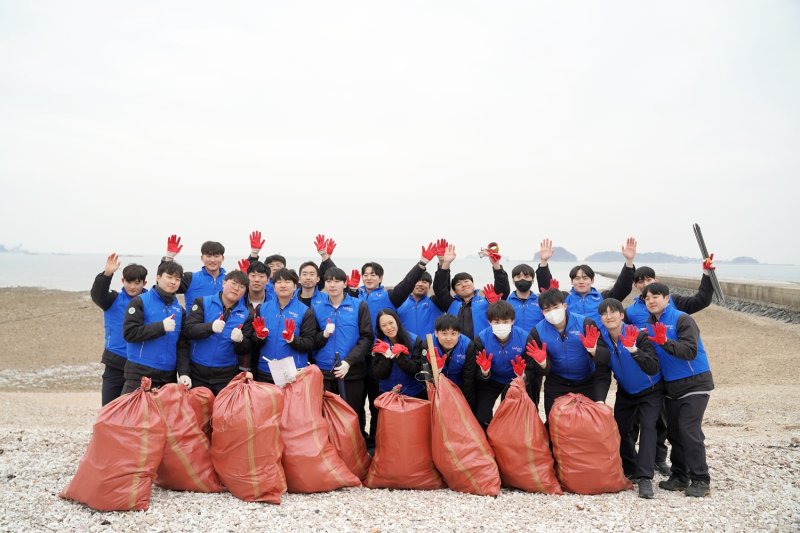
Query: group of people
{"points": [[368, 339]]}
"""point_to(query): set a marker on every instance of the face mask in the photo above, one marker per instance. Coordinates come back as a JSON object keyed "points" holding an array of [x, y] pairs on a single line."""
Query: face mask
{"points": [[523, 285], [555, 316], [501, 331]]}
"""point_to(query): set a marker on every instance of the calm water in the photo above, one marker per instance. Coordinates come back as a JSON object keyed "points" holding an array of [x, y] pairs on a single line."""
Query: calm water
{"points": [[76, 272]]}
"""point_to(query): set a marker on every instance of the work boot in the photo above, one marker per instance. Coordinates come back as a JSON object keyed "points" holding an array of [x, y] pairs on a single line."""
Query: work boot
{"points": [[699, 489], [645, 488], [663, 468], [673, 483]]}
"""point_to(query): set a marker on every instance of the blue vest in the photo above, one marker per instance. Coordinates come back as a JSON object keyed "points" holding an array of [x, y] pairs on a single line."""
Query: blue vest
{"points": [[527, 313], [502, 371], [569, 360], [479, 307], [585, 305], [418, 316], [217, 350], [276, 346], [345, 336], [638, 314], [630, 376], [317, 298], [113, 317], [160, 353], [674, 368], [203, 285], [376, 301], [410, 386], [454, 366]]}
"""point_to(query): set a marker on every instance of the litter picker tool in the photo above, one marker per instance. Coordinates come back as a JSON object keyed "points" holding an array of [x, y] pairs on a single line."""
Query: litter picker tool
{"points": [[711, 274]]}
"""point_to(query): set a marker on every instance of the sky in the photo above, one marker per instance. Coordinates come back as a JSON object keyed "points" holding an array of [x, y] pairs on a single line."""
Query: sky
{"points": [[390, 124]]}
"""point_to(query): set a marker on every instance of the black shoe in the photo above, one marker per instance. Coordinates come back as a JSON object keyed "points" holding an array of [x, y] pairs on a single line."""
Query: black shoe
{"points": [[699, 489], [633, 479], [645, 488], [673, 483], [663, 468]]}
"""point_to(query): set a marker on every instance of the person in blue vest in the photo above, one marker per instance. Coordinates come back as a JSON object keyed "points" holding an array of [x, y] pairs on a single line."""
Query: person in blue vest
{"points": [[640, 391], [311, 276], [397, 357], [114, 304], [257, 279], [688, 383], [218, 348], [570, 342], [584, 298], [206, 281], [284, 327], [153, 329], [457, 354], [418, 313], [467, 304], [343, 342], [523, 298]]}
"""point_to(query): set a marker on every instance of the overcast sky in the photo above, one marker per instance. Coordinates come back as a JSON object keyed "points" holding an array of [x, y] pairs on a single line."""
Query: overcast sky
{"points": [[387, 125]]}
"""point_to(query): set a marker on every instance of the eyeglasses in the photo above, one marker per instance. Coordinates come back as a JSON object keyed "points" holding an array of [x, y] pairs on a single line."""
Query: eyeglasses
{"points": [[235, 285]]}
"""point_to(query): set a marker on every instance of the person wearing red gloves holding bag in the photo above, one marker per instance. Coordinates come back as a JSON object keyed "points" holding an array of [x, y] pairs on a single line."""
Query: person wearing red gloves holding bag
{"points": [[397, 357]]}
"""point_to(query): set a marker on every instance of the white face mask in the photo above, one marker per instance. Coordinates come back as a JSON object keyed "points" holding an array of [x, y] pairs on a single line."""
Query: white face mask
{"points": [[501, 331], [555, 316]]}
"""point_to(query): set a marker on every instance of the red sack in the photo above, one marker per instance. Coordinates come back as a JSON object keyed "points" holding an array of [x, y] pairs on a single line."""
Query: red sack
{"points": [[246, 443], [117, 471], [344, 432], [586, 446], [403, 445], [202, 401], [186, 464], [460, 449], [309, 459], [521, 444]]}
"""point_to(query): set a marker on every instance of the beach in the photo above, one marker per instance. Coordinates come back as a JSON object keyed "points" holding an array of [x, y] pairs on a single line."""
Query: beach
{"points": [[51, 343]]}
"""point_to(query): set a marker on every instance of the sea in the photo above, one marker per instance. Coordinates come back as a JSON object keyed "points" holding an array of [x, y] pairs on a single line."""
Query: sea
{"points": [[76, 272]]}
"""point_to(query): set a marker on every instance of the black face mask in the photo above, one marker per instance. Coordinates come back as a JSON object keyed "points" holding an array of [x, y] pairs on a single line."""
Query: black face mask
{"points": [[523, 285]]}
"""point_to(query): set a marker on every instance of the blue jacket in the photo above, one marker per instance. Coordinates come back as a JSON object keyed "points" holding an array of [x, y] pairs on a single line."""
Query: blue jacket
{"points": [[585, 305], [347, 332], [418, 316], [454, 365], [113, 318], [159, 353], [502, 355], [479, 305], [203, 284], [410, 385], [569, 360], [637, 313], [376, 300], [276, 346], [218, 350], [674, 368], [629, 374], [527, 312]]}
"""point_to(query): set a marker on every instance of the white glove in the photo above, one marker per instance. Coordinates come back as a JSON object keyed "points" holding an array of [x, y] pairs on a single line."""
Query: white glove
{"points": [[329, 329], [389, 354], [169, 324], [185, 380], [236, 335], [217, 326], [341, 371]]}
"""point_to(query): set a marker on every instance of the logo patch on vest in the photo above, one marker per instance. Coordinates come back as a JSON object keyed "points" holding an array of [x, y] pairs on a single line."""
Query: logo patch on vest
{"points": [[194, 307], [131, 310]]}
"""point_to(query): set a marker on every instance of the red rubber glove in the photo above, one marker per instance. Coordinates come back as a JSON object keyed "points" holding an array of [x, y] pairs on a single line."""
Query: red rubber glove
{"points": [[256, 242], [174, 246], [320, 243], [484, 362], [490, 295], [493, 256], [260, 328], [288, 332], [440, 359], [553, 285], [399, 349], [354, 279], [441, 248], [590, 339], [628, 336], [380, 347], [429, 252], [533, 351], [660, 332], [330, 246], [708, 263], [244, 265], [518, 364]]}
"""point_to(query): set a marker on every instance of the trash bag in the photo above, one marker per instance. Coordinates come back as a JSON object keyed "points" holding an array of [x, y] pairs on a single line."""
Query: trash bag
{"points": [[586, 446], [403, 445], [186, 464], [309, 459], [460, 449], [521, 444], [117, 471], [202, 401], [344, 432], [246, 442]]}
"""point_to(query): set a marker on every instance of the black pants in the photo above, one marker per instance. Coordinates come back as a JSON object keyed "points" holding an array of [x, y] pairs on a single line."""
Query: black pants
{"points": [[213, 387], [486, 392], [534, 388], [262, 377], [661, 435], [684, 428], [555, 387], [353, 390], [645, 410], [113, 383]]}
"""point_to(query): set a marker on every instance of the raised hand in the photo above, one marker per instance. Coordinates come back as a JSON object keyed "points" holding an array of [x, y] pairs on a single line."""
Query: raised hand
{"points": [[545, 251], [244, 265], [428, 253], [354, 279], [218, 325], [484, 362], [628, 337], [518, 364], [493, 255], [256, 243], [533, 351], [112, 264], [708, 263], [330, 246], [590, 339], [554, 284], [288, 330], [260, 328], [659, 333], [441, 248], [490, 295], [169, 323], [629, 251], [382, 348], [399, 349], [174, 246], [449, 256]]}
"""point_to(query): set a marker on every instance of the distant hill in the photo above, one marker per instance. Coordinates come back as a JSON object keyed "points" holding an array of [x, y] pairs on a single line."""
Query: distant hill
{"points": [[743, 260], [647, 257], [560, 255]]}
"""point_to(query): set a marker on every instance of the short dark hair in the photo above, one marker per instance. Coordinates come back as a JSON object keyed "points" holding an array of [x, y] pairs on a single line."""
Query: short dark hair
{"points": [[286, 274], [642, 273], [426, 278], [275, 257], [170, 267], [335, 273], [257, 267], [500, 310], [308, 264], [212, 248], [238, 276], [461, 276], [377, 268], [134, 272], [446, 322], [523, 269], [402, 334], [656, 288], [551, 297], [585, 268], [610, 303]]}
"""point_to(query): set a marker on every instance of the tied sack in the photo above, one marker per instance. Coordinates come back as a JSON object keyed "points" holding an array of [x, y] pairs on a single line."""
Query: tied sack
{"points": [[460, 449], [309, 459], [246, 442], [521, 444], [186, 464], [117, 471], [586, 446], [344, 432], [403, 458], [202, 401]]}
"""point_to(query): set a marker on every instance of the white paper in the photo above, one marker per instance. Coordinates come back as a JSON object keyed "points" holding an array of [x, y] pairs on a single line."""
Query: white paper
{"points": [[283, 370]]}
